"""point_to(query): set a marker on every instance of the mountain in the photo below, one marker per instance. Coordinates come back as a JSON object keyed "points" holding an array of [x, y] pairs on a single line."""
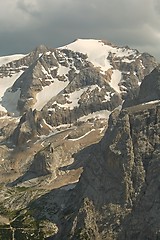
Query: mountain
{"points": [[67, 76], [79, 81], [79, 143]]}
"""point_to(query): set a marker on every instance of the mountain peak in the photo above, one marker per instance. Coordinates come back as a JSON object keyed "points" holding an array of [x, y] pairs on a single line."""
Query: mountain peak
{"points": [[41, 48], [99, 52]]}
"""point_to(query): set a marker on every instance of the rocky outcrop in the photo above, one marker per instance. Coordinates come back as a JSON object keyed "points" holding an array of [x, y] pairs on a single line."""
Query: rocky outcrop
{"points": [[149, 90], [150, 87], [31, 125]]}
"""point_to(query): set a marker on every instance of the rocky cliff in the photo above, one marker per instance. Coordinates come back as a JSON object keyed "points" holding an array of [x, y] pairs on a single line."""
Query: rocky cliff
{"points": [[117, 196]]}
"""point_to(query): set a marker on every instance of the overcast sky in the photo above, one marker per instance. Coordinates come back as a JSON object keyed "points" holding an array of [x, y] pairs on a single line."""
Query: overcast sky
{"points": [[24, 24]]}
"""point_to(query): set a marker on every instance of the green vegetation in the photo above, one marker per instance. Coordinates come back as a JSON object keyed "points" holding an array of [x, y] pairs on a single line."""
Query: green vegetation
{"points": [[5, 234]]}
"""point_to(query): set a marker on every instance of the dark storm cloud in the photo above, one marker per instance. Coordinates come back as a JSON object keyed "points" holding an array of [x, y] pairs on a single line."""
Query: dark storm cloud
{"points": [[27, 23], [28, 7]]}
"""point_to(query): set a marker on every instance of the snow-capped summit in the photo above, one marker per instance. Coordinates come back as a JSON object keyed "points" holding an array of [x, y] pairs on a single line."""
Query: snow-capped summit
{"points": [[98, 52], [69, 82]]}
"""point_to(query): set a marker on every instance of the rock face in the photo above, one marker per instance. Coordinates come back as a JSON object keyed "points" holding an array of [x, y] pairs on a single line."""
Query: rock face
{"points": [[150, 88], [31, 125], [117, 196]]}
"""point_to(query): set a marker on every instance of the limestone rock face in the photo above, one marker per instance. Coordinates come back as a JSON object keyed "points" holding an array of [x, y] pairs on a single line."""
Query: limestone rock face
{"points": [[117, 196], [150, 87], [149, 90], [31, 125]]}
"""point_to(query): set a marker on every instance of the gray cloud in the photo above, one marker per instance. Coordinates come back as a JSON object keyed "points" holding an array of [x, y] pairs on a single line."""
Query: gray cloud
{"points": [[29, 7], [27, 23]]}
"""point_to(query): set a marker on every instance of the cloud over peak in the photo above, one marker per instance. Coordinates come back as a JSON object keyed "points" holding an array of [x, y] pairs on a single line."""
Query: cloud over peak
{"points": [[27, 23]]}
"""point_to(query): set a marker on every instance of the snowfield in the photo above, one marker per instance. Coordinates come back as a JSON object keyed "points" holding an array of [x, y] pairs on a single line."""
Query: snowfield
{"points": [[115, 80], [103, 114], [7, 59], [48, 92], [97, 52], [9, 99]]}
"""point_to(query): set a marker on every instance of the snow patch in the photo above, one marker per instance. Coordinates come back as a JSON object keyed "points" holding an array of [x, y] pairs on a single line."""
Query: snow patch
{"points": [[10, 58], [115, 80], [76, 139], [48, 53], [126, 60], [10, 101], [49, 126], [151, 102], [46, 73], [48, 92], [107, 97], [103, 114], [8, 98], [62, 70], [143, 67]]}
